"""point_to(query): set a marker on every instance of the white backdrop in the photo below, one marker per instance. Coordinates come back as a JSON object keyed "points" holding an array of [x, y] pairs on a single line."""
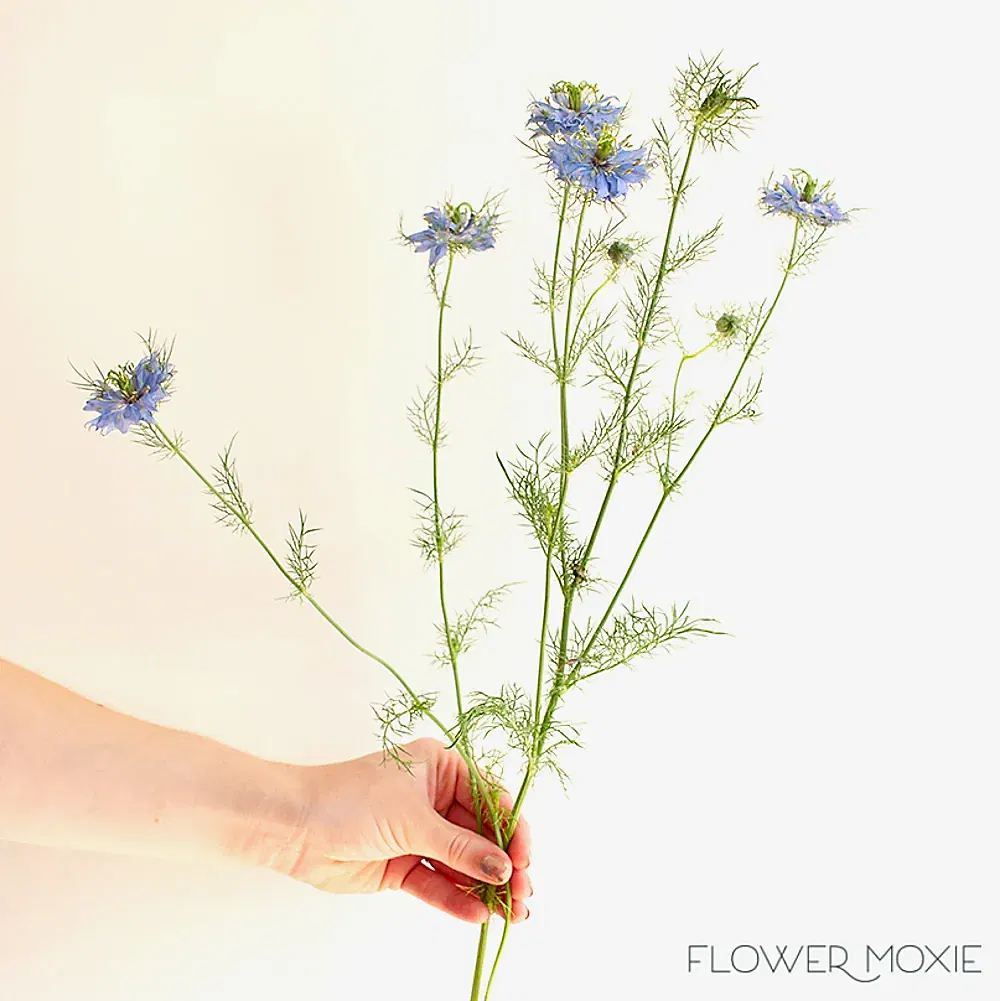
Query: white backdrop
{"points": [[233, 173]]}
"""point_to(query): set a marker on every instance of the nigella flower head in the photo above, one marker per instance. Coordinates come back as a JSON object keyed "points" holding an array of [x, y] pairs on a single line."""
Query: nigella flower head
{"points": [[129, 394], [709, 100], [457, 227], [624, 251], [599, 164], [802, 196], [572, 108], [731, 324]]}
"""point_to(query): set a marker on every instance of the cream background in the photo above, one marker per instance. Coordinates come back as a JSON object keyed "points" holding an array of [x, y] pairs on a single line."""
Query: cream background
{"points": [[233, 173]]}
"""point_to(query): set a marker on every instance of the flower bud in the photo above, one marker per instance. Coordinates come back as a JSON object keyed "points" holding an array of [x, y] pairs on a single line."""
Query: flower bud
{"points": [[721, 98], [620, 252], [726, 324]]}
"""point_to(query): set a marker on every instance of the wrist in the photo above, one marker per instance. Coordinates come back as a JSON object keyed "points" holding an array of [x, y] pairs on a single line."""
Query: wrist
{"points": [[268, 816]]}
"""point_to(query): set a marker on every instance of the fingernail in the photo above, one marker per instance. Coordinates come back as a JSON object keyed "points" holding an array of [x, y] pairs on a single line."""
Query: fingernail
{"points": [[495, 868], [527, 913]]}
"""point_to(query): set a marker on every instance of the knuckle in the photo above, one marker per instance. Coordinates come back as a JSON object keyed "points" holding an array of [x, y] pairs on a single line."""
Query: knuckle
{"points": [[458, 848], [426, 745]]}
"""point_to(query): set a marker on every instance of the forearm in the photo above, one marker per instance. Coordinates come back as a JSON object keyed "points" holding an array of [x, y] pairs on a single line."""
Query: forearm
{"points": [[74, 774]]}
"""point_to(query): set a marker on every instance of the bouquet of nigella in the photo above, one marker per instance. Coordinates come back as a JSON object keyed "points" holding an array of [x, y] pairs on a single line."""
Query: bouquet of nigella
{"points": [[603, 296]]}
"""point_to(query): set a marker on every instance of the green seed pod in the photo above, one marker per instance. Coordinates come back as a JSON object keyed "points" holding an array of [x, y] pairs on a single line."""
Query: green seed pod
{"points": [[620, 252], [726, 324]]}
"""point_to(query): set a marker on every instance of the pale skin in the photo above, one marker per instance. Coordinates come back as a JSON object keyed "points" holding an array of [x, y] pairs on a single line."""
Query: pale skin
{"points": [[76, 774]]}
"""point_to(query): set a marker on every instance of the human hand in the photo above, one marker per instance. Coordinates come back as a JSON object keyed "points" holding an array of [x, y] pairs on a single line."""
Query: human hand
{"points": [[369, 825]]}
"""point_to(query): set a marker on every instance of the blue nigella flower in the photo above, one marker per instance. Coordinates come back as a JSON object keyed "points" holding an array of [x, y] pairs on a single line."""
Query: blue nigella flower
{"points": [[828, 212], [130, 395], [572, 108], [456, 226], [598, 164], [800, 196]]}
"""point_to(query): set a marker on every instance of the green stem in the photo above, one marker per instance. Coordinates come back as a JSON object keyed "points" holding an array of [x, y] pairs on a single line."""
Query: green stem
{"points": [[673, 410], [554, 281], [590, 299], [564, 374], [435, 449], [669, 488], [477, 781], [546, 597], [463, 737], [477, 975], [563, 369], [503, 942], [673, 395]]}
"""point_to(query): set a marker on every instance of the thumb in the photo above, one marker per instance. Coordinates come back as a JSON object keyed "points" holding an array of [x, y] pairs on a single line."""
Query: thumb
{"points": [[464, 850]]}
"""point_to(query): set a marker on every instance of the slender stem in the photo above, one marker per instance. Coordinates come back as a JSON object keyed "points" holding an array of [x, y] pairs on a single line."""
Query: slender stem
{"points": [[669, 488], [564, 374], [563, 370], [702, 349], [463, 737], [554, 281], [435, 449], [476, 779], [503, 942], [477, 975], [590, 299], [673, 395], [546, 598], [673, 410]]}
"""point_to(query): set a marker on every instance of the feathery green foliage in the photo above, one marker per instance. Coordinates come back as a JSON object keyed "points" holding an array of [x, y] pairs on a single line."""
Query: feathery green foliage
{"points": [[637, 631], [463, 632], [232, 508], [300, 560], [397, 718], [438, 532], [149, 436]]}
